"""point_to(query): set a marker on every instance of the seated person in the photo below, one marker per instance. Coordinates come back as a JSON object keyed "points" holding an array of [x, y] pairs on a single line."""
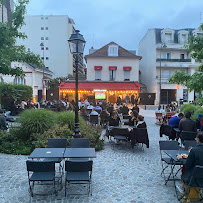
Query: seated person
{"points": [[159, 110], [83, 112], [90, 106], [136, 108], [114, 119], [175, 120], [141, 123], [194, 158], [99, 108], [199, 120], [125, 110], [187, 124], [133, 120], [94, 112], [3, 124]]}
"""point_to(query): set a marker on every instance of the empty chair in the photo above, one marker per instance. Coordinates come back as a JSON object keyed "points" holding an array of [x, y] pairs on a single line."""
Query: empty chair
{"points": [[79, 143], [78, 173], [40, 171], [94, 119], [187, 135], [189, 143], [56, 143], [167, 145], [167, 130]]}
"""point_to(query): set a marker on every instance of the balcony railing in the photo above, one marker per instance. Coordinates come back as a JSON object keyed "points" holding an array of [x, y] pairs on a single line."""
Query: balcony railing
{"points": [[173, 60]]}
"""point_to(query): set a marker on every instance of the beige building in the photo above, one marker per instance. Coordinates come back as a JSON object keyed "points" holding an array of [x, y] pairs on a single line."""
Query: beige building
{"points": [[5, 11], [164, 52]]}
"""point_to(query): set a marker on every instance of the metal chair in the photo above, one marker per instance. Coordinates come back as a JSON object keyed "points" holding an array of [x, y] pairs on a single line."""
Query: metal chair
{"points": [[79, 143], [40, 171], [159, 118], [56, 143], [187, 135], [168, 145], [94, 119], [79, 173], [196, 180], [189, 143]]}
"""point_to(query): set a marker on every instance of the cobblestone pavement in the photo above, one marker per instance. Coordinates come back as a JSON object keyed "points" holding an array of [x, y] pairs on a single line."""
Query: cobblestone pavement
{"points": [[119, 175]]}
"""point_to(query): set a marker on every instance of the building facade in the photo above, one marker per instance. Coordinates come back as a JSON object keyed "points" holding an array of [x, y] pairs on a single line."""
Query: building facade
{"points": [[164, 52], [112, 71], [34, 77], [52, 33], [5, 11]]}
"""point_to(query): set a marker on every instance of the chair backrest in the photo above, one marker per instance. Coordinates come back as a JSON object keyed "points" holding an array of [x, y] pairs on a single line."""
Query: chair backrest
{"points": [[187, 135], [166, 129], [120, 131], [126, 116], [168, 145], [79, 143], [40, 166], [189, 143], [77, 166], [57, 143], [94, 119], [141, 134], [197, 177], [158, 115]]}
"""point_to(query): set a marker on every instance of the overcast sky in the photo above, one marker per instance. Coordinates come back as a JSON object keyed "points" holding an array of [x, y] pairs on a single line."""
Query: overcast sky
{"points": [[122, 21]]}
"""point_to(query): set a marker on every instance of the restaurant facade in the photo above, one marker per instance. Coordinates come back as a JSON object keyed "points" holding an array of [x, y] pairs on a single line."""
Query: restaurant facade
{"points": [[111, 72]]}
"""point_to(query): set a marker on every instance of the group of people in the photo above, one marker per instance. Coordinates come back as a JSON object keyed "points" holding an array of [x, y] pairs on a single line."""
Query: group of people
{"points": [[132, 99]]}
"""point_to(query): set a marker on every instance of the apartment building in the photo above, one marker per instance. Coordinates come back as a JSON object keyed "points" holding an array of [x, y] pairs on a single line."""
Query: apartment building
{"points": [[5, 11], [48, 36], [164, 52]]}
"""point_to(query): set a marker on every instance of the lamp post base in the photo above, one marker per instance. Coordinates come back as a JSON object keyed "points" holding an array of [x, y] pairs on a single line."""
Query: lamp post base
{"points": [[76, 131]]}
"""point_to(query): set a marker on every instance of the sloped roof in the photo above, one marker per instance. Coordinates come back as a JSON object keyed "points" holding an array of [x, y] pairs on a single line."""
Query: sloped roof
{"points": [[122, 53], [44, 68]]}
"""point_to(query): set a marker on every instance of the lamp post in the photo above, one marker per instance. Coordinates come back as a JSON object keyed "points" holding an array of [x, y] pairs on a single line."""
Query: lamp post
{"points": [[77, 45], [162, 46], [43, 91]]}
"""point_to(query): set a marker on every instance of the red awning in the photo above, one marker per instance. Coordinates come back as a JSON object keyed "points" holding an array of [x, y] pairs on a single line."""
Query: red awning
{"points": [[98, 68], [127, 67], [112, 67], [85, 69], [109, 86]]}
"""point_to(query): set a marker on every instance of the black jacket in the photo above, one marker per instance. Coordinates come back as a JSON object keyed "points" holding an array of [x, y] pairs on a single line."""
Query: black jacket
{"points": [[187, 125], [195, 157]]}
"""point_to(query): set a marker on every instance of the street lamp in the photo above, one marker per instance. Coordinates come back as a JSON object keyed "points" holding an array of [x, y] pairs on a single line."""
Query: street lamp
{"points": [[77, 45], [43, 91], [162, 46]]}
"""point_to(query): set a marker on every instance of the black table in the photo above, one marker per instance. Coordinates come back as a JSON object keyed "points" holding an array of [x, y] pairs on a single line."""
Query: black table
{"points": [[80, 153], [47, 153], [173, 154]]}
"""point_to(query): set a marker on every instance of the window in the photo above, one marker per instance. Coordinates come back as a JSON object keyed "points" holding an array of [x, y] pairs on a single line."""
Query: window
{"points": [[47, 38], [42, 38], [42, 28], [113, 50], [28, 49], [47, 48], [42, 58], [182, 56], [166, 73], [112, 74], [126, 75], [167, 55], [42, 48], [47, 58], [46, 28], [168, 37], [97, 74], [19, 80], [42, 18], [46, 18]]}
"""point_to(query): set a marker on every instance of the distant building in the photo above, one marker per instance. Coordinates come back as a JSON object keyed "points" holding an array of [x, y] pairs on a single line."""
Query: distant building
{"points": [[33, 77], [165, 48], [5, 11], [53, 31]]}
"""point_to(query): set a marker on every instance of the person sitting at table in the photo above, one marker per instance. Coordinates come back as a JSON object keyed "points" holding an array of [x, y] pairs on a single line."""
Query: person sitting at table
{"points": [[141, 123], [159, 110], [114, 119], [175, 120], [136, 108], [187, 124], [94, 112], [133, 120], [90, 106], [194, 158]]}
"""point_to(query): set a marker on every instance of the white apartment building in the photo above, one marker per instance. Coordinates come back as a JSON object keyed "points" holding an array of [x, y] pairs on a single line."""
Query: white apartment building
{"points": [[5, 11], [164, 52], [34, 77], [52, 33]]}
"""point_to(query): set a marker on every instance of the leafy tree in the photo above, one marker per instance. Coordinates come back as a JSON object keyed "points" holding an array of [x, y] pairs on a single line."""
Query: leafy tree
{"points": [[54, 83], [195, 81], [9, 51]]}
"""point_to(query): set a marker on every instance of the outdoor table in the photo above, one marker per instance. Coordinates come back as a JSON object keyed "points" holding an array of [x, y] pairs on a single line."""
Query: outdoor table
{"points": [[80, 153], [47, 153], [173, 155]]}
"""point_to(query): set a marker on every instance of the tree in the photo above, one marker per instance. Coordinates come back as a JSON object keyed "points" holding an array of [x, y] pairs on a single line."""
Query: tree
{"points": [[9, 51], [195, 81]]}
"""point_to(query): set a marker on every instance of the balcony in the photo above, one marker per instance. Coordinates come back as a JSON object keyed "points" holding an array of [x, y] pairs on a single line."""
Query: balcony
{"points": [[173, 60], [163, 80]]}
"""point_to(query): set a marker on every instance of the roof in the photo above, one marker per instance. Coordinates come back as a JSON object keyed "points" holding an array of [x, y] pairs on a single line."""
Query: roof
{"points": [[122, 53], [101, 85], [44, 68]]}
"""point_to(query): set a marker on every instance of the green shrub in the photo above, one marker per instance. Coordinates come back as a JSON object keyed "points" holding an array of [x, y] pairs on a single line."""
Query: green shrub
{"points": [[188, 107], [199, 110], [35, 121]]}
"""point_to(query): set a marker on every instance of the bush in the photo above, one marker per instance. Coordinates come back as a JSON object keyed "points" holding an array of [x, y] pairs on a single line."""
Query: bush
{"points": [[199, 110], [35, 121], [188, 107]]}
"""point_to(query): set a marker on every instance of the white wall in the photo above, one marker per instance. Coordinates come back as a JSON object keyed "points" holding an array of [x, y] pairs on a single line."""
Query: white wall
{"points": [[106, 62], [58, 33]]}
